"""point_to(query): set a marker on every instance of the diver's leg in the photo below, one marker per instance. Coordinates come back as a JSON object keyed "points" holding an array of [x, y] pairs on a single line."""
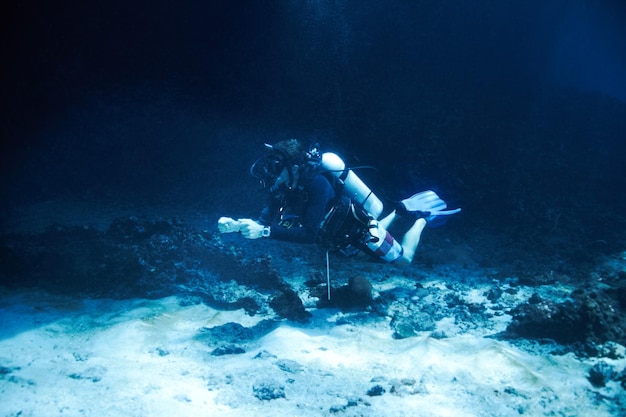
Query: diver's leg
{"points": [[389, 249], [387, 220], [411, 240]]}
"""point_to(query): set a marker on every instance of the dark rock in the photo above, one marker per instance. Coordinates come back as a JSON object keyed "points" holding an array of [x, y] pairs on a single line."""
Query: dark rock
{"points": [[6, 371], [264, 354], [361, 290], [408, 325], [289, 305], [249, 305], [538, 321], [233, 333], [452, 299], [590, 318], [476, 308], [351, 402], [421, 292], [402, 327], [227, 297], [337, 409], [494, 294], [376, 391], [227, 350], [162, 352], [93, 374], [439, 334], [357, 295], [404, 386], [290, 366], [226, 333], [600, 374], [267, 390]]}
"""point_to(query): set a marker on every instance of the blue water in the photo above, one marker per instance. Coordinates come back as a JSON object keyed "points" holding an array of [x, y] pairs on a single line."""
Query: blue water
{"points": [[128, 130]]}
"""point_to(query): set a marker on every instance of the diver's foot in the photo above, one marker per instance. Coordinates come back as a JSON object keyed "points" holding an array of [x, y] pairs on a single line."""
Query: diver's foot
{"points": [[426, 205], [414, 214]]}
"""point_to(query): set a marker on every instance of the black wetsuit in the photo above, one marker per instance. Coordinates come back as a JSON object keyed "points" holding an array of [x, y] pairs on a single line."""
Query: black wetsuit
{"points": [[296, 215]]}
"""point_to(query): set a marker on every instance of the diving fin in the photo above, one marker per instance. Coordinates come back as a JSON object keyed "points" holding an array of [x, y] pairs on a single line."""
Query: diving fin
{"points": [[428, 204]]}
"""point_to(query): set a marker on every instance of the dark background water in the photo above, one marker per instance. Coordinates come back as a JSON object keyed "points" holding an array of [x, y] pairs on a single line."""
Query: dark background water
{"points": [[515, 111]]}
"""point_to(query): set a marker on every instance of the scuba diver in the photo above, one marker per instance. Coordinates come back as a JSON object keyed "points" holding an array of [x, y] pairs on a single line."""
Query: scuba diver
{"points": [[314, 198]]}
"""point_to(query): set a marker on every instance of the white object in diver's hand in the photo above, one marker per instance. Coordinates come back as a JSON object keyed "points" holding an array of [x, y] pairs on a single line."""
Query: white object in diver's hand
{"points": [[252, 230], [228, 225]]}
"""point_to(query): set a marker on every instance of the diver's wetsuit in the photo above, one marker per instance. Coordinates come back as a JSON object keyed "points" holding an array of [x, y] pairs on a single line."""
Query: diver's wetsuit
{"points": [[296, 216], [308, 205]]}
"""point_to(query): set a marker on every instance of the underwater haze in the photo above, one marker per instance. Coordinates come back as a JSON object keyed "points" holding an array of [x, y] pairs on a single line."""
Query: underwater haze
{"points": [[129, 128]]}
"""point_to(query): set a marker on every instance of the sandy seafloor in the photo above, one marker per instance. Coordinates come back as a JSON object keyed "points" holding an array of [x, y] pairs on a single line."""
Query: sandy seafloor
{"points": [[61, 356]]}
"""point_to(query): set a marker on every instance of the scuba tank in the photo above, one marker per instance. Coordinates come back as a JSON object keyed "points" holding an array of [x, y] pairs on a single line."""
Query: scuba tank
{"points": [[353, 186]]}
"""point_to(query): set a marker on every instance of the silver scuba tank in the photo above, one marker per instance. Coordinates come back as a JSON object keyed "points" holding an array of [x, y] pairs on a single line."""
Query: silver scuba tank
{"points": [[354, 187]]}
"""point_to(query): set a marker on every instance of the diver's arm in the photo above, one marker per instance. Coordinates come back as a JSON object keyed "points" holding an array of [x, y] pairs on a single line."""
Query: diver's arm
{"points": [[248, 228], [320, 193]]}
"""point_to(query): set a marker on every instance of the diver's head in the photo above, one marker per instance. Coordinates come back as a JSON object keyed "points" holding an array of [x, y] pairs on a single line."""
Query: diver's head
{"points": [[280, 168]]}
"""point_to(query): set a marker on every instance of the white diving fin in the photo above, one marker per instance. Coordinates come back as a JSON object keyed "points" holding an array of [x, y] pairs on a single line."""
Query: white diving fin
{"points": [[429, 203]]}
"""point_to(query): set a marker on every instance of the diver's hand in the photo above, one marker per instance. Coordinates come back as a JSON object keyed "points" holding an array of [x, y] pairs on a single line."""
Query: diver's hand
{"points": [[228, 225], [250, 229]]}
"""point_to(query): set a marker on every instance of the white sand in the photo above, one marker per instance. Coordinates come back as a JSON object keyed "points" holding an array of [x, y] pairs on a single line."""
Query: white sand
{"points": [[65, 357]]}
